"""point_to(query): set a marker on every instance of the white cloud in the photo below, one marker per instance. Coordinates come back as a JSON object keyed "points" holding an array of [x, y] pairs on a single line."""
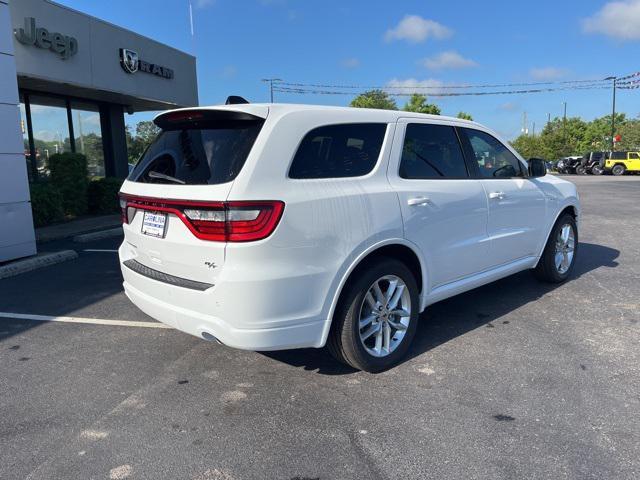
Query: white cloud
{"points": [[350, 62], [548, 73], [92, 119], [415, 29], [412, 85], [229, 71], [508, 107], [619, 19], [204, 3], [448, 60]]}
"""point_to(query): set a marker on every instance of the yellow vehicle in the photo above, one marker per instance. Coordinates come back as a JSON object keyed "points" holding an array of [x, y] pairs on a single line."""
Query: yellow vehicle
{"points": [[619, 163]]}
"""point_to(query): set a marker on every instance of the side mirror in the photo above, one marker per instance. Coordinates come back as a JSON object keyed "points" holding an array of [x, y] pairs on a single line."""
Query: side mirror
{"points": [[537, 167]]}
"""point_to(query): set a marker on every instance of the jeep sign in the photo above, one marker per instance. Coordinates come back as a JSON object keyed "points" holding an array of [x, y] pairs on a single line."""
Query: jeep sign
{"points": [[63, 45]]}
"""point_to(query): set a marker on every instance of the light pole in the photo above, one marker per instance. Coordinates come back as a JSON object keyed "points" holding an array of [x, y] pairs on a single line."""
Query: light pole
{"points": [[613, 113], [270, 81], [564, 127]]}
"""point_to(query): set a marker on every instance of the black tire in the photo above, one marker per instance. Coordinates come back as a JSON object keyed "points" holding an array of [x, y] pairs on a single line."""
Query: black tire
{"points": [[344, 337], [597, 170], [546, 269], [618, 170], [581, 170]]}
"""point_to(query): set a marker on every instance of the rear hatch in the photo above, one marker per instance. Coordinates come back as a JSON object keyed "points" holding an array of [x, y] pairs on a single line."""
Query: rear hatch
{"points": [[176, 218]]}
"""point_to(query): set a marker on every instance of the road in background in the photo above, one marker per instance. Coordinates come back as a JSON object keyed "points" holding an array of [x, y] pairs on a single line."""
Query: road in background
{"points": [[516, 379]]}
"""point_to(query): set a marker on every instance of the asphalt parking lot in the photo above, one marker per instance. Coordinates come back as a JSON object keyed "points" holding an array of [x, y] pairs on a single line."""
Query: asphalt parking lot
{"points": [[513, 380]]}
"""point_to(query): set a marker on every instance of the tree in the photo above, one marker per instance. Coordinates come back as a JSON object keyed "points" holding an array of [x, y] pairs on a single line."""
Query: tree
{"points": [[630, 136], [529, 146], [577, 137], [147, 132], [374, 99], [418, 103], [464, 116]]}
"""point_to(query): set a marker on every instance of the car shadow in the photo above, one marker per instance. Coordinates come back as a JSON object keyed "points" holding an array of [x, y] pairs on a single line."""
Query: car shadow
{"points": [[455, 316]]}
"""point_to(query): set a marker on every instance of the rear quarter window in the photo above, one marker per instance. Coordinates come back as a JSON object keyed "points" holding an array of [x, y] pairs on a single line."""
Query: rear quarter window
{"points": [[338, 151]]}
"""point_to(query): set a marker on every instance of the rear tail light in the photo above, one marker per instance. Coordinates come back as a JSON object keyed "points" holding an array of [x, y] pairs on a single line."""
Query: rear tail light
{"points": [[215, 221], [123, 210]]}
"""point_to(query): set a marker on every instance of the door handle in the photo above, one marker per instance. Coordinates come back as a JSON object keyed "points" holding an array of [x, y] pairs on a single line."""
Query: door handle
{"points": [[418, 201], [498, 195]]}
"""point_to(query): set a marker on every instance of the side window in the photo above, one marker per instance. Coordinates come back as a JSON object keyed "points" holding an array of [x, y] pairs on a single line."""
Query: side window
{"points": [[336, 151], [633, 156], [494, 159], [431, 151]]}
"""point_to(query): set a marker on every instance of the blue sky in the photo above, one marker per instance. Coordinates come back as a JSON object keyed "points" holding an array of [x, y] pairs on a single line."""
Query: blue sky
{"points": [[374, 42]]}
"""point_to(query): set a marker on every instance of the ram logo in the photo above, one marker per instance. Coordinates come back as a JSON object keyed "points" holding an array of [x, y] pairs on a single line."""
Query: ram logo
{"points": [[129, 60]]}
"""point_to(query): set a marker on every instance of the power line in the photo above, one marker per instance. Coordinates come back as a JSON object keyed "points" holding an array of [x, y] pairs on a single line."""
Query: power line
{"points": [[629, 81], [437, 87], [390, 91]]}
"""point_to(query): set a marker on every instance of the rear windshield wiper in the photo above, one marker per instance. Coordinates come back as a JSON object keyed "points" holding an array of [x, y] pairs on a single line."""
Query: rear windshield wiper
{"points": [[162, 176]]}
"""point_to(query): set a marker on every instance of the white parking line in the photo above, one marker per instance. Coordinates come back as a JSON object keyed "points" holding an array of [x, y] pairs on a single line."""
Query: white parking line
{"points": [[91, 321], [99, 250]]}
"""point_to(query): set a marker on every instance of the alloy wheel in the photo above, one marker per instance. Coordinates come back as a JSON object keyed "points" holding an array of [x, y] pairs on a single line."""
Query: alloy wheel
{"points": [[565, 248], [385, 314]]}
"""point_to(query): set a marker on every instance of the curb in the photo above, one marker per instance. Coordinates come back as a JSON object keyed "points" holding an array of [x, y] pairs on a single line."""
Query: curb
{"points": [[39, 261], [90, 237]]}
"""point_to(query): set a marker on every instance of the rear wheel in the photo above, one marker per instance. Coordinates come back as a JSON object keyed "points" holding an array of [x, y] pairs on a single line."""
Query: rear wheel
{"points": [[556, 262], [581, 170], [597, 170], [618, 170], [376, 317]]}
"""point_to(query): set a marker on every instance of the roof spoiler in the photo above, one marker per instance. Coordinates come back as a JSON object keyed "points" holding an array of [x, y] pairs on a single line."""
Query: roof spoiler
{"points": [[199, 117]]}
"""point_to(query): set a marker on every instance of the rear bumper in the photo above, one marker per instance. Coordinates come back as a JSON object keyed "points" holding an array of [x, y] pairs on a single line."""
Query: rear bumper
{"points": [[184, 308]]}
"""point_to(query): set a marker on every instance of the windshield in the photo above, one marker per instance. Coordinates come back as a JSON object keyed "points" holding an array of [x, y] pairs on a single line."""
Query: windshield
{"points": [[203, 155]]}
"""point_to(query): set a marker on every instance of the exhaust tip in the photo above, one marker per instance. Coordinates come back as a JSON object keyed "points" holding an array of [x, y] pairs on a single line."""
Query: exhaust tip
{"points": [[210, 338]]}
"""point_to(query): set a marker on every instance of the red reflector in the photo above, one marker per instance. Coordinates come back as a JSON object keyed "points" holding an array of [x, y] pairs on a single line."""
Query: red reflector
{"points": [[215, 221]]}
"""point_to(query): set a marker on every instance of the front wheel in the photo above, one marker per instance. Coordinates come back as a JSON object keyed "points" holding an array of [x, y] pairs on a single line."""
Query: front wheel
{"points": [[581, 170], [557, 260], [376, 317]]}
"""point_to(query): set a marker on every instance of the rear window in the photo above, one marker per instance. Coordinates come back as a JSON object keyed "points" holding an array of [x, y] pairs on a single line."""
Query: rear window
{"points": [[199, 154], [337, 151]]}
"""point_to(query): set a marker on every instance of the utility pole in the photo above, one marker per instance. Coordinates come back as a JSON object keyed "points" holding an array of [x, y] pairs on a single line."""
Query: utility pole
{"points": [[548, 118], [613, 113], [564, 126], [270, 81], [534, 129], [525, 126]]}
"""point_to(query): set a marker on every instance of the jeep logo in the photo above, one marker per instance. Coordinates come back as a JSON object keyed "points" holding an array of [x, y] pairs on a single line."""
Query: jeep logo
{"points": [[63, 45]]}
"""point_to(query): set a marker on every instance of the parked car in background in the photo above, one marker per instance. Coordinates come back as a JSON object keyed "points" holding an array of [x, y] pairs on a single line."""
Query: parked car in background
{"points": [[620, 163], [568, 164], [268, 226], [593, 163]]}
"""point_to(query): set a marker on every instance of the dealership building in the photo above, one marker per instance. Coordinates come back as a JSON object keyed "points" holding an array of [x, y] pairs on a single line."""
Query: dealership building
{"points": [[66, 82]]}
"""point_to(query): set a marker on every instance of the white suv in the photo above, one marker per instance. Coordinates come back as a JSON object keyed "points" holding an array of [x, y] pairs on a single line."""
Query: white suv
{"points": [[269, 226]]}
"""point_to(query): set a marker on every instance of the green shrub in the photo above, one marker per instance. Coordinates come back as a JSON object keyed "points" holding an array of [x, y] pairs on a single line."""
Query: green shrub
{"points": [[69, 177], [103, 195], [46, 204]]}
